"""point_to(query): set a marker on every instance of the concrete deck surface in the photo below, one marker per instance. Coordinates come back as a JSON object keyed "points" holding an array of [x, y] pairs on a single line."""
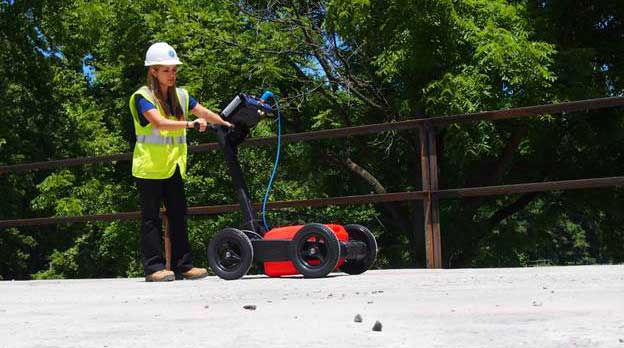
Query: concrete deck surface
{"points": [[580, 306]]}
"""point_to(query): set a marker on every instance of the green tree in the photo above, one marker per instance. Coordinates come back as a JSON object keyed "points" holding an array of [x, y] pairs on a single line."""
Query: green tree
{"points": [[334, 63]]}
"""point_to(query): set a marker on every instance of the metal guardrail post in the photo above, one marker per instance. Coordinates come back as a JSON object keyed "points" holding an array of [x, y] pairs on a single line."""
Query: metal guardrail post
{"points": [[435, 209], [426, 188], [167, 241], [429, 168]]}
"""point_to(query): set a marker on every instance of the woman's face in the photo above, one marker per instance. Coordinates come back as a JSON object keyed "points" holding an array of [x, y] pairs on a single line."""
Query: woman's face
{"points": [[166, 75]]}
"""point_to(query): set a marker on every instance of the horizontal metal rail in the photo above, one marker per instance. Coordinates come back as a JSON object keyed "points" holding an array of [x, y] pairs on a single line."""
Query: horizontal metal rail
{"points": [[25, 167], [345, 200], [582, 105], [531, 187], [216, 209]]}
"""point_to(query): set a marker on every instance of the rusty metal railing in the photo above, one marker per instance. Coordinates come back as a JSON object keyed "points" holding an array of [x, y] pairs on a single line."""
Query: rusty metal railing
{"points": [[430, 193]]}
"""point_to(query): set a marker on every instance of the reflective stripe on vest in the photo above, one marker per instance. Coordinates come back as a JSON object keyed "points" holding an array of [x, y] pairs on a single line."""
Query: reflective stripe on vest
{"points": [[160, 140]]}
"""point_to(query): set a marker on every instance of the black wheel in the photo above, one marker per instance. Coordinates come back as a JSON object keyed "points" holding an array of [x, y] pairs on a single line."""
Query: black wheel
{"points": [[314, 250], [362, 234], [251, 235], [256, 267], [230, 254]]}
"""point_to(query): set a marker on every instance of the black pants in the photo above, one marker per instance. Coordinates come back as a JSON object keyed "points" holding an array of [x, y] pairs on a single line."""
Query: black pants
{"points": [[152, 192]]}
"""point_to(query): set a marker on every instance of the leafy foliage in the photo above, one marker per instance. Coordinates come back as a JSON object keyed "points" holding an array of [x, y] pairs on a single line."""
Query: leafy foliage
{"points": [[334, 63]]}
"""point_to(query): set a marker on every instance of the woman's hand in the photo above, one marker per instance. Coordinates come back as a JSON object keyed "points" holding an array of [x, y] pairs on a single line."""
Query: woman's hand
{"points": [[201, 122], [210, 116]]}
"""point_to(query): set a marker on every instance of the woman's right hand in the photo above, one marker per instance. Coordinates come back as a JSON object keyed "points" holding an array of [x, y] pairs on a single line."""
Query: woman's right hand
{"points": [[202, 124]]}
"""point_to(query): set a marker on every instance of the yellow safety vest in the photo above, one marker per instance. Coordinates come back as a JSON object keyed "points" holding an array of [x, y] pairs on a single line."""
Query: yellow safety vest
{"points": [[158, 152]]}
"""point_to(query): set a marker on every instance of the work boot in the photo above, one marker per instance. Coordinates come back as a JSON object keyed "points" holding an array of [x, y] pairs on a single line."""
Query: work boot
{"points": [[195, 273], [160, 276]]}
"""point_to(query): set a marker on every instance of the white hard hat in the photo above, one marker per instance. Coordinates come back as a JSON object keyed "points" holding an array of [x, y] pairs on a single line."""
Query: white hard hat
{"points": [[161, 53]]}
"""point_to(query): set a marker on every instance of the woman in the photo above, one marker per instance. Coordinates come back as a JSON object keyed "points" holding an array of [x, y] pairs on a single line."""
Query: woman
{"points": [[159, 111]]}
